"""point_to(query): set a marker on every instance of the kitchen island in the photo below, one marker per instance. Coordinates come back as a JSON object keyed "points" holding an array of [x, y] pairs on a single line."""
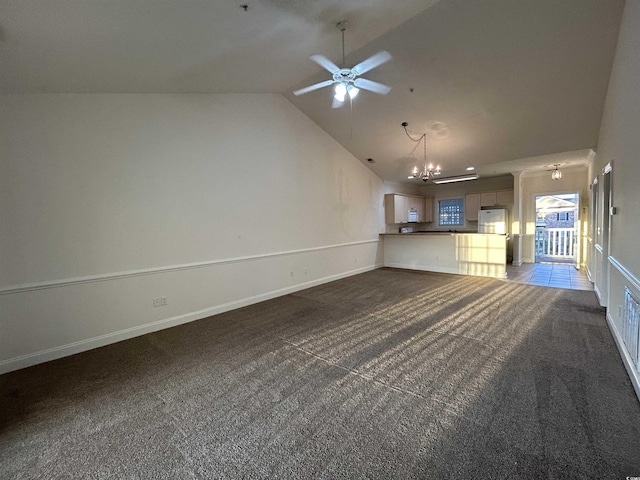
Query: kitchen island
{"points": [[446, 252]]}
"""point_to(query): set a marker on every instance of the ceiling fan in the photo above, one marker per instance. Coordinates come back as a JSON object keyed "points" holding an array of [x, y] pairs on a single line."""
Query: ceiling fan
{"points": [[346, 80]]}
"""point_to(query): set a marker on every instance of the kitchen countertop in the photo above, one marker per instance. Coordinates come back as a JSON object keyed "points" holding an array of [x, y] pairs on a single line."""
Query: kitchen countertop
{"points": [[441, 233]]}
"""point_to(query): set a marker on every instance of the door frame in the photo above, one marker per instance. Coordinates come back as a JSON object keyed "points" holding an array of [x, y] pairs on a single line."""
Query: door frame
{"points": [[577, 223]]}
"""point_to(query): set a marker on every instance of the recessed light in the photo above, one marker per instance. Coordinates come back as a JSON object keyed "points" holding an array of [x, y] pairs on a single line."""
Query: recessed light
{"points": [[470, 168]]}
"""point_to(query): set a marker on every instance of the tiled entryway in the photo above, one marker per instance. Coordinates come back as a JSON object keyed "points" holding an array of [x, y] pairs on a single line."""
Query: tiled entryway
{"points": [[549, 275]]}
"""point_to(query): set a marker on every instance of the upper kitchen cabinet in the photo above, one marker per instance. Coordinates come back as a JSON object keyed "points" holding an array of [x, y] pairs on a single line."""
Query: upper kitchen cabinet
{"points": [[471, 206], [504, 197], [428, 209], [398, 208], [499, 197], [474, 201]]}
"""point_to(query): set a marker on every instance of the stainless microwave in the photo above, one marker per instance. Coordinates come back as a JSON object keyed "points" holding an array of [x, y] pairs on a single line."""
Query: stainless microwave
{"points": [[412, 216]]}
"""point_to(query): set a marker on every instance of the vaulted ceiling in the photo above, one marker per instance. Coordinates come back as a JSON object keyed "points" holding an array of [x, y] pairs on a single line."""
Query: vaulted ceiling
{"points": [[500, 85]]}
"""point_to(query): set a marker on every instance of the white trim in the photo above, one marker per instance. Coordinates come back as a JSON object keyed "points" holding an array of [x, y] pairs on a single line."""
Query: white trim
{"points": [[626, 273], [598, 294], [109, 338], [29, 287], [626, 359], [588, 272]]}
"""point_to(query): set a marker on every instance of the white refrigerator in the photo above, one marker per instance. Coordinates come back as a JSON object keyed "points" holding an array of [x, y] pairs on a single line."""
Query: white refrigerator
{"points": [[492, 221]]}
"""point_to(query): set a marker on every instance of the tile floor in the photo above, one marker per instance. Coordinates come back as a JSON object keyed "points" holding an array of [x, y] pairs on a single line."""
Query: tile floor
{"points": [[549, 275]]}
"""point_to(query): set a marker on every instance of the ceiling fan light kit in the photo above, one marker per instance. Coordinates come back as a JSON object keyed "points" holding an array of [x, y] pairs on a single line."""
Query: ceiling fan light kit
{"points": [[341, 91], [556, 174], [346, 80]]}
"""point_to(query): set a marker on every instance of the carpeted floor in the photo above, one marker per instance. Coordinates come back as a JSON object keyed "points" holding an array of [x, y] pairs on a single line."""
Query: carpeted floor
{"points": [[388, 374]]}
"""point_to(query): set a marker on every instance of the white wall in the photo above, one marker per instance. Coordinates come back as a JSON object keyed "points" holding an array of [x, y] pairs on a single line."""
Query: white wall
{"points": [[619, 143], [213, 201]]}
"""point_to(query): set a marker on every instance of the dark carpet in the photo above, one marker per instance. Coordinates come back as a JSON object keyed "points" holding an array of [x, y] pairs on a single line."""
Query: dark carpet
{"points": [[388, 374]]}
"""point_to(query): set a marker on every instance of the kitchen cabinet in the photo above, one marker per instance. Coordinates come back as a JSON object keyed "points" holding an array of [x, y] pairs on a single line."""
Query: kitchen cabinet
{"points": [[498, 197], [397, 208], [488, 199], [472, 204], [504, 197], [428, 209]]}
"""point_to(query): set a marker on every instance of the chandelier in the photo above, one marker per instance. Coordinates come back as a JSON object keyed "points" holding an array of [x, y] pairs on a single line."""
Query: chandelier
{"points": [[557, 174], [428, 170]]}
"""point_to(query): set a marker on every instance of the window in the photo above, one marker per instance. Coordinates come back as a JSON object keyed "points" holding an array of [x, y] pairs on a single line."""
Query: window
{"points": [[563, 216], [451, 212]]}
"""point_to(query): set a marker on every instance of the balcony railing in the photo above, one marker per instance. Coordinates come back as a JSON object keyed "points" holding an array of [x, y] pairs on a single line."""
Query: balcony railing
{"points": [[555, 242]]}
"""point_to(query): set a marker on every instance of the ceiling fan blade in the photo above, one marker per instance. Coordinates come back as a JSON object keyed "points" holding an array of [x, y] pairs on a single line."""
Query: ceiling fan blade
{"points": [[372, 86], [315, 86], [372, 62], [325, 63], [336, 103]]}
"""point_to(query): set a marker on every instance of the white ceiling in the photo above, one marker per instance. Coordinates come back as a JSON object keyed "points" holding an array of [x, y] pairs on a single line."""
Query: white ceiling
{"points": [[501, 85]]}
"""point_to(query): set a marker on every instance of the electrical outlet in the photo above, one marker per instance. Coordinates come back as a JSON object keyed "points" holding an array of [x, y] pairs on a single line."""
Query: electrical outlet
{"points": [[159, 301]]}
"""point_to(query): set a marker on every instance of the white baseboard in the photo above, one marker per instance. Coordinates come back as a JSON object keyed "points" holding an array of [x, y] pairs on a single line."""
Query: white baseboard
{"points": [[54, 353], [598, 295], [626, 359]]}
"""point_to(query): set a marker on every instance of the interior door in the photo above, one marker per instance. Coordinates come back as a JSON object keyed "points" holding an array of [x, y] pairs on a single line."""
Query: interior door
{"points": [[602, 200]]}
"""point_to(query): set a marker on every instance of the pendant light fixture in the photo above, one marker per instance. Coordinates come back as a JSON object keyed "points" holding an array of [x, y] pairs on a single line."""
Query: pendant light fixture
{"points": [[556, 174], [428, 170]]}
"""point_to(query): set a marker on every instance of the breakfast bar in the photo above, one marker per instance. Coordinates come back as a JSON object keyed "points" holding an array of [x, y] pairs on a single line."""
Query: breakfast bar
{"points": [[447, 252]]}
